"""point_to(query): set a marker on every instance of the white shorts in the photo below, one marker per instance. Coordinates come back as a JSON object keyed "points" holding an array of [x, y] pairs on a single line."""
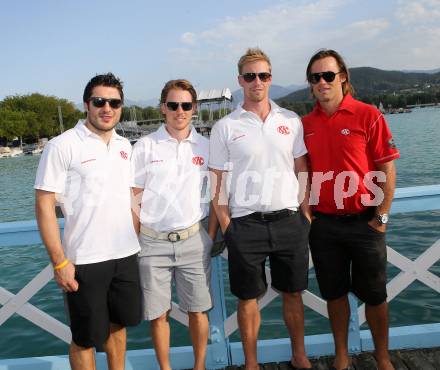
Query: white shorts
{"points": [[187, 263]]}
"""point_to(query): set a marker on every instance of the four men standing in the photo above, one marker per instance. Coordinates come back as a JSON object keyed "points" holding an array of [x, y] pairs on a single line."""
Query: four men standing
{"points": [[259, 164]]}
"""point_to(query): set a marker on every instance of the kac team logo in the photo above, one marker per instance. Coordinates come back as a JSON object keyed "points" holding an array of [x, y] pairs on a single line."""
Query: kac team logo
{"points": [[198, 161], [345, 131], [123, 154], [284, 130]]}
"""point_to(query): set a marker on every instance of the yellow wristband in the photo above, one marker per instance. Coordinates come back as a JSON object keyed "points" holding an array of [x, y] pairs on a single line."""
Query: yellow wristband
{"points": [[61, 265]]}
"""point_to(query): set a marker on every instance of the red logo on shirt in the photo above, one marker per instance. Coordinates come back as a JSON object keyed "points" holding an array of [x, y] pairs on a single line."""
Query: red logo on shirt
{"points": [[284, 130], [123, 154], [198, 161]]}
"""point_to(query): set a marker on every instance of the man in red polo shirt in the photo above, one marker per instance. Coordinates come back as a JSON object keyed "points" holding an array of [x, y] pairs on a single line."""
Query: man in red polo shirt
{"points": [[351, 153]]}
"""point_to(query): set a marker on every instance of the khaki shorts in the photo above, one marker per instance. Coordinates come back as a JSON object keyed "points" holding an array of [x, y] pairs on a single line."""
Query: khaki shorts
{"points": [[186, 263]]}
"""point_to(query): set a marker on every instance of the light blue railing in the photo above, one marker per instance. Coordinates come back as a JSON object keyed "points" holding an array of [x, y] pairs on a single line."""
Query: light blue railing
{"points": [[221, 351]]}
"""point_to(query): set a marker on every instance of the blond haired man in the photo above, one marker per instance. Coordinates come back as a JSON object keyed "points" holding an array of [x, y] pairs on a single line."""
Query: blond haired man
{"points": [[259, 150]]}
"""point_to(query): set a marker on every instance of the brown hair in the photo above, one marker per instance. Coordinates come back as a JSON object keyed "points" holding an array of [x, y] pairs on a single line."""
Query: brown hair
{"points": [[180, 84], [324, 53], [253, 55]]}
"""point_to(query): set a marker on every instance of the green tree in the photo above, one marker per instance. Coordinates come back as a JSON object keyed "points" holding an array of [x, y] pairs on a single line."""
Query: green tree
{"points": [[40, 114]]}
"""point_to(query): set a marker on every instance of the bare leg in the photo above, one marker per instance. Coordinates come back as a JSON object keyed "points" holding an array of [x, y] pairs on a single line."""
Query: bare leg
{"points": [[339, 314], [115, 347], [249, 324], [377, 318], [81, 358], [160, 332], [199, 328], [293, 312]]}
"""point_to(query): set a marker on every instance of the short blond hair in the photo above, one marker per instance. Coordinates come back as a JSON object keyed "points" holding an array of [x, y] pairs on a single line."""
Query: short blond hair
{"points": [[253, 55]]}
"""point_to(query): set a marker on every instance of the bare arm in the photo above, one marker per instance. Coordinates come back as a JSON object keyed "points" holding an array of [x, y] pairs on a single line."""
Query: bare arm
{"points": [[302, 173], [388, 188], [212, 223], [220, 200], [50, 234], [136, 200]]}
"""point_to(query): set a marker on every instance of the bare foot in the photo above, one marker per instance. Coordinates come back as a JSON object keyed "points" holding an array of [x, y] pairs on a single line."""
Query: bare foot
{"points": [[342, 362], [301, 362]]}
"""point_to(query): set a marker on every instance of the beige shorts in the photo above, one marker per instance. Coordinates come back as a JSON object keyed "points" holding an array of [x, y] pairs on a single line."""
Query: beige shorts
{"points": [[186, 264]]}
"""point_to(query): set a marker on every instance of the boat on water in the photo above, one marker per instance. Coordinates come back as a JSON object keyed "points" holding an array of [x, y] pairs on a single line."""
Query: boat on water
{"points": [[37, 148], [7, 152]]}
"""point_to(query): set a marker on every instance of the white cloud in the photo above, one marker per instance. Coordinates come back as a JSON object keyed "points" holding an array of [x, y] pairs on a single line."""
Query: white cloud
{"points": [[291, 31], [188, 38], [410, 12], [367, 29]]}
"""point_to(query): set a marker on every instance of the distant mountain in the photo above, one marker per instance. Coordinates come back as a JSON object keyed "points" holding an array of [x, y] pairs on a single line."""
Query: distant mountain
{"points": [[142, 103], [430, 71], [369, 81], [275, 92]]}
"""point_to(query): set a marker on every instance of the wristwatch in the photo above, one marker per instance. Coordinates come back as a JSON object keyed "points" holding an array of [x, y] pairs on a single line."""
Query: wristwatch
{"points": [[383, 218]]}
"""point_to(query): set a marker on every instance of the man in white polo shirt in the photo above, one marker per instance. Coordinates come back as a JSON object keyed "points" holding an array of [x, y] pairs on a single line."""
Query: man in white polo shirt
{"points": [[87, 170], [256, 154], [170, 183]]}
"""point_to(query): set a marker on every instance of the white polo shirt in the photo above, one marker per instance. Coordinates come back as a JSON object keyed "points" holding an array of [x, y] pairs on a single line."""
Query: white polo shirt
{"points": [[92, 182], [174, 176], [259, 157]]}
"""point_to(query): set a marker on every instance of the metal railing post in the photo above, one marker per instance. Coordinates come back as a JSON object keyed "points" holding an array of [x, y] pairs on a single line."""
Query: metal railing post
{"points": [[218, 355], [354, 334]]}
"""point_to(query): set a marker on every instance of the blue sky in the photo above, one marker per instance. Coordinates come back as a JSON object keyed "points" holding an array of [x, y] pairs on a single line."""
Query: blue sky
{"points": [[55, 46]]}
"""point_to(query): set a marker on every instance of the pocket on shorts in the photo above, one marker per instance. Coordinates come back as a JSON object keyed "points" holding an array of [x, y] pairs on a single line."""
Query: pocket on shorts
{"points": [[306, 220], [373, 230], [207, 241], [146, 245], [228, 229]]}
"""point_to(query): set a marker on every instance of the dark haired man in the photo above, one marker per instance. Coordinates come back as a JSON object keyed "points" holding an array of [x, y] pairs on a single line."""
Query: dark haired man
{"points": [[87, 170], [351, 154]]}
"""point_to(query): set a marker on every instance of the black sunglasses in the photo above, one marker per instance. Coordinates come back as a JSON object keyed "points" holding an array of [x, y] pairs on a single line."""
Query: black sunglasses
{"points": [[328, 76], [99, 102], [263, 76], [186, 106]]}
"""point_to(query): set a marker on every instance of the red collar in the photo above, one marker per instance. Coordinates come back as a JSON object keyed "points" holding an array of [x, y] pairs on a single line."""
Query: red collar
{"points": [[348, 104]]}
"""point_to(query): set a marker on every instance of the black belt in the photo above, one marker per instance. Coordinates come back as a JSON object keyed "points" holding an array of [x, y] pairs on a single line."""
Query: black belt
{"points": [[364, 215], [270, 216]]}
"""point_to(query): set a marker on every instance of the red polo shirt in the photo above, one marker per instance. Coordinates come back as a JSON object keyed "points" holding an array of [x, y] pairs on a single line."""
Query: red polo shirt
{"points": [[343, 149]]}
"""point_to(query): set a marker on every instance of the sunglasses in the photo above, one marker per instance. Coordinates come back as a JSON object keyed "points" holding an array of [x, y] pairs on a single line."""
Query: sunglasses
{"points": [[263, 76], [99, 102], [328, 76], [172, 105]]}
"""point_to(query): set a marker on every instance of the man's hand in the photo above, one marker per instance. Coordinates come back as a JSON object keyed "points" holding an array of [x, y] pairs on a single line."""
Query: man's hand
{"points": [[375, 224], [224, 225], [65, 278]]}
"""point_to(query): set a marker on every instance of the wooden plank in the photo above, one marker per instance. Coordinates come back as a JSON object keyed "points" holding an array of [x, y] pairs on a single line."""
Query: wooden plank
{"points": [[364, 361], [415, 359], [322, 363], [397, 361], [433, 356], [269, 366]]}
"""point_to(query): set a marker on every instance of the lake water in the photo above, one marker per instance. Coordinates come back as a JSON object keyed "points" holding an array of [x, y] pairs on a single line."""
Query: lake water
{"points": [[416, 134]]}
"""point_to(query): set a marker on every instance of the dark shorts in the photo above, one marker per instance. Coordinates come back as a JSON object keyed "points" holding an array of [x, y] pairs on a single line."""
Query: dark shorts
{"points": [[349, 255], [109, 292], [251, 241]]}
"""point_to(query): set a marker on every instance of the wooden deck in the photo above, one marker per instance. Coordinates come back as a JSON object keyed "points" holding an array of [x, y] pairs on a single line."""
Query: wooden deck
{"points": [[421, 359]]}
